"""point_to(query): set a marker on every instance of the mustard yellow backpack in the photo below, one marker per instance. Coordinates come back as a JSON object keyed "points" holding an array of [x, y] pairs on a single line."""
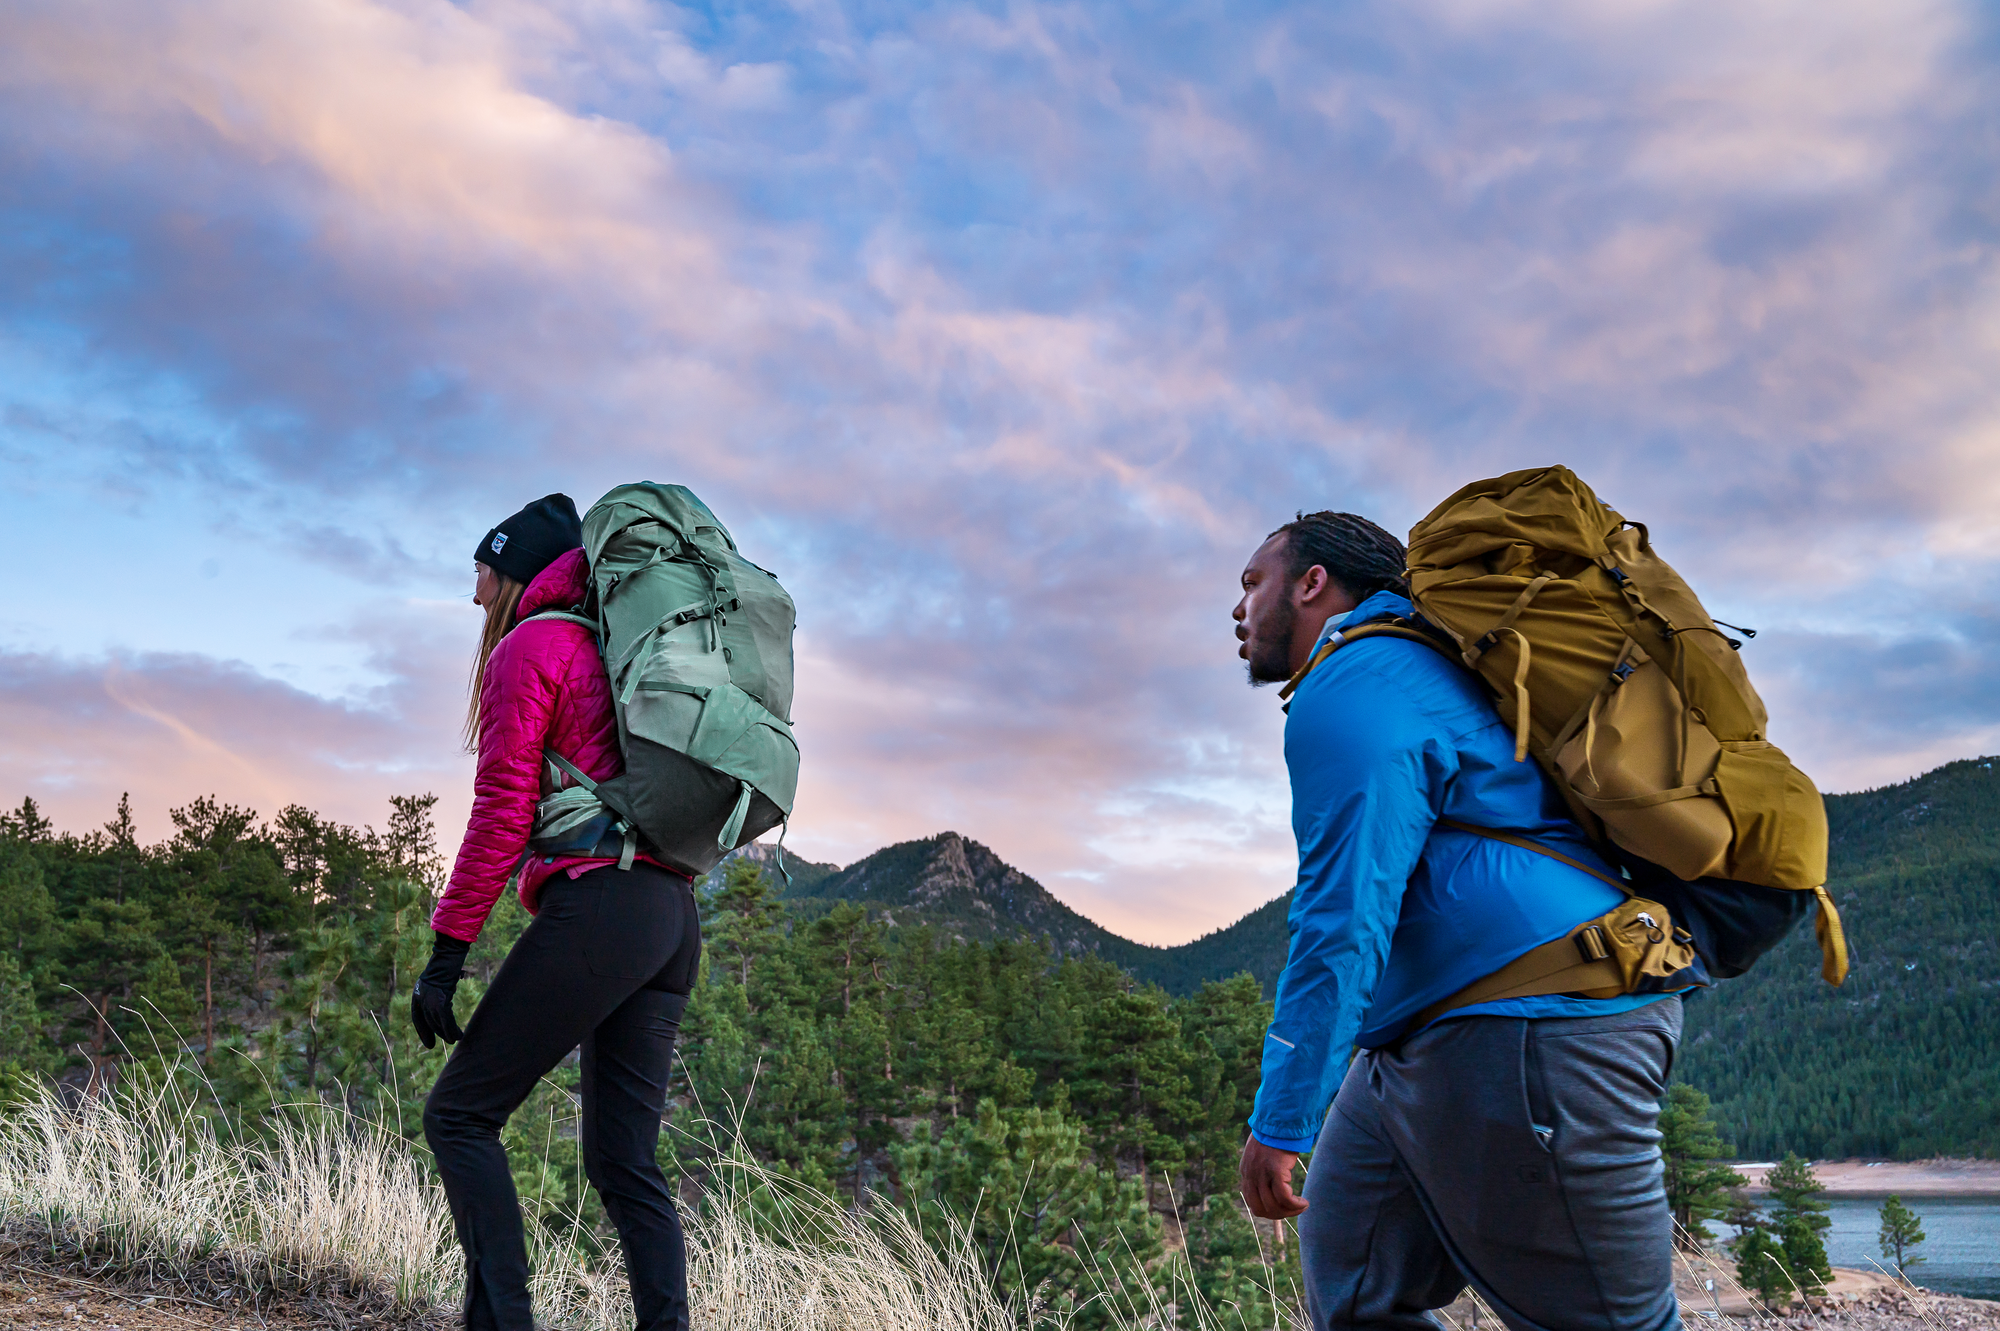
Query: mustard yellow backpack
{"points": [[1635, 701]]}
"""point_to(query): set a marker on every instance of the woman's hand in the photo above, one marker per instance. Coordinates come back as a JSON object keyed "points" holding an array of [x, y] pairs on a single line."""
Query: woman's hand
{"points": [[430, 1000], [1266, 1179]]}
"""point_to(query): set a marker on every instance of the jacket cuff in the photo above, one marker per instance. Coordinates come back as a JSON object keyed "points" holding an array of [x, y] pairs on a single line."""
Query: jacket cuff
{"points": [[1296, 1145], [453, 932]]}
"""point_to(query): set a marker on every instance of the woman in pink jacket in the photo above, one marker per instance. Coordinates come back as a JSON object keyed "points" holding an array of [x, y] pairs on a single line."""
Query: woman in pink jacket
{"points": [[607, 963]]}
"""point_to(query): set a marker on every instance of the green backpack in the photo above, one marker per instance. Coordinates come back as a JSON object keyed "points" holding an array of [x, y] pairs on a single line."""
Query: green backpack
{"points": [[697, 641]]}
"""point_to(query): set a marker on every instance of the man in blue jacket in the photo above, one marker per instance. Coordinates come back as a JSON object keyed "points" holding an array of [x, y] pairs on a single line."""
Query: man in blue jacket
{"points": [[1511, 1144]]}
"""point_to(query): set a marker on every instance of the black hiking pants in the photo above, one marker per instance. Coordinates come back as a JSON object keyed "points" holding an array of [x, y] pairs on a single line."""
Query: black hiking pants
{"points": [[607, 965]]}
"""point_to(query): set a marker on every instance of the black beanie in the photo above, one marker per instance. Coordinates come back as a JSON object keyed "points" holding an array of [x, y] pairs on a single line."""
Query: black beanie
{"points": [[530, 541]]}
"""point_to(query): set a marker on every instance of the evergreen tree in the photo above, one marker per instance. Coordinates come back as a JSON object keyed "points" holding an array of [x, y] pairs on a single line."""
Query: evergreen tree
{"points": [[1222, 1026], [1802, 1221], [742, 921], [29, 929], [24, 1049], [26, 824], [410, 845], [1697, 1188], [1132, 1081], [1242, 1281], [1053, 1226], [1902, 1230], [108, 950], [1761, 1267]]}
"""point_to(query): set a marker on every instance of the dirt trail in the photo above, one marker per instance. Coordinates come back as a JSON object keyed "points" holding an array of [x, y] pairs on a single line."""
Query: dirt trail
{"points": [[34, 1298]]}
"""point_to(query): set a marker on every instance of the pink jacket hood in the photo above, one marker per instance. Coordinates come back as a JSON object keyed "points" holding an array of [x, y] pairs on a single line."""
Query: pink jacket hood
{"points": [[560, 586]]}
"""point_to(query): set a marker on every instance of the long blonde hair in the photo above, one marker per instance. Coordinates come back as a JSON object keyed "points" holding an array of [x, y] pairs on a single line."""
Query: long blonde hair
{"points": [[499, 619]]}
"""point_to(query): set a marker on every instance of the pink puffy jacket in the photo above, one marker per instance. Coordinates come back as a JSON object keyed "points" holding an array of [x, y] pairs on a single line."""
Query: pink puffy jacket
{"points": [[545, 685]]}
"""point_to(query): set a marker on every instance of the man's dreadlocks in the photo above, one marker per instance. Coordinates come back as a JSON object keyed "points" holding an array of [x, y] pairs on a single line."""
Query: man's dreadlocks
{"points": [[1356, 553]]}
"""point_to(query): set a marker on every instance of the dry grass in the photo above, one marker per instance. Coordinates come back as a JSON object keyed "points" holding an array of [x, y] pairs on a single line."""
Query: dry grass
{"points": [[146, 1187], [141, 1184]]}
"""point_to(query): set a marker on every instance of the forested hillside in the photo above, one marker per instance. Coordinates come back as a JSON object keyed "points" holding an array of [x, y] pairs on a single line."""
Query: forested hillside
{"points": [[1904, 1059], [1077, 1122]]}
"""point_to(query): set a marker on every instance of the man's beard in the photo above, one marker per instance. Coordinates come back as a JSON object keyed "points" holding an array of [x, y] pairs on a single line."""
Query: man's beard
{"points": [[1271, 650]]}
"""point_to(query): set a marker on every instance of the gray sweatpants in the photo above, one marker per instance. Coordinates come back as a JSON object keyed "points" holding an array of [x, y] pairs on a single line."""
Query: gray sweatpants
{"points": [[1521, 1157]]}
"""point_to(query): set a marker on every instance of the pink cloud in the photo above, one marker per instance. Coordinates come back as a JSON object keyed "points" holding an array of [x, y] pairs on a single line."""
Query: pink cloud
{"points": [[1003, 338]]}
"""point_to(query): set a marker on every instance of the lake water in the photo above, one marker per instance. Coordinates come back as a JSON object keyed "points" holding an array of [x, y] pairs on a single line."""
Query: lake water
{"points": [[1961, 1248]]}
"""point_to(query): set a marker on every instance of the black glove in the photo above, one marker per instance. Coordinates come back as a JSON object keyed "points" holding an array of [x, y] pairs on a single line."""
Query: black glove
{"points": [[430, 1001]]}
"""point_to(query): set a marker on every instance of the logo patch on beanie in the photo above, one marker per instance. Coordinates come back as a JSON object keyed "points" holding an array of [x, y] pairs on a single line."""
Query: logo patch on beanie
{"points": [[499, 539]]}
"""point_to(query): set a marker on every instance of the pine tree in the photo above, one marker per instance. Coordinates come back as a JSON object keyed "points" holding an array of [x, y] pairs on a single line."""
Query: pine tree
{"points": [[742, 921], [1049, 1221], [1902, 1230], [24, 1049], [1697, 1188], [1802, 1221], [29, 930], [1132, 1083], [1760, 1266], [1242, 1283], [411, 844], [26, 823], [107, 951]]}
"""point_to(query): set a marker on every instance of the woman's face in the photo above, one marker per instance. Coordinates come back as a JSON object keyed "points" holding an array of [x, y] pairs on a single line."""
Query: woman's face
{"points": [[487, 585]]}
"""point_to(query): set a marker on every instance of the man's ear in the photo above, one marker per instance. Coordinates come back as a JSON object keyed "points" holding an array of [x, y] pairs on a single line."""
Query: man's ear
{"points": [[1317, 590]]}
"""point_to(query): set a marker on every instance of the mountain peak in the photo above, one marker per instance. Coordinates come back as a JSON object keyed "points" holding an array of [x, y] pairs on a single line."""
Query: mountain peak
{"points": [[963, 888]]}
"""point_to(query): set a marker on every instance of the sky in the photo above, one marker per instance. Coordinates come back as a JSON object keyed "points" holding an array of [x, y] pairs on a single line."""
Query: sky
{"points": [[1003, 333]]}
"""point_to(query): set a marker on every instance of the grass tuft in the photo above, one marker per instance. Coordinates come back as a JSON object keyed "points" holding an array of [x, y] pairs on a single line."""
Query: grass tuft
{"points": [[147, 1186]]}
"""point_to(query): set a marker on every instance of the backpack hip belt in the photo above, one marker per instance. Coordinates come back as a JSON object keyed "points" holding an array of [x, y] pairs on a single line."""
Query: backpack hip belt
{"points": [[1631, 949]]}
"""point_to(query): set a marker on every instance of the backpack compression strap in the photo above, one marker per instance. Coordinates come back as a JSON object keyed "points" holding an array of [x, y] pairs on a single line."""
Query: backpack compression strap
{"points": [[631, 847]]}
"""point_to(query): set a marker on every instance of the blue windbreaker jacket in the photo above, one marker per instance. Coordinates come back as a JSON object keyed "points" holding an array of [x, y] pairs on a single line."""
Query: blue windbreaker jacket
{"points": [[1392, 913]]}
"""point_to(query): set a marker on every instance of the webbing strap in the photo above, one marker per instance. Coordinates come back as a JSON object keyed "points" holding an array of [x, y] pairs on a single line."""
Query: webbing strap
{"points": [[1523, 707], [1523, 711], [1312, 663], [1832, 939], [1374, 628], [630, 850], [732, 830], [784, 826], [570, 767], [1647, 801], [1506, 623], [1556, 967], [1495, 834]]}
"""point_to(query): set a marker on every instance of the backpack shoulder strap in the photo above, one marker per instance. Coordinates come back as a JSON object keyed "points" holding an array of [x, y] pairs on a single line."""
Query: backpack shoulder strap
{"points": [[1412, 630], [584, 620]]}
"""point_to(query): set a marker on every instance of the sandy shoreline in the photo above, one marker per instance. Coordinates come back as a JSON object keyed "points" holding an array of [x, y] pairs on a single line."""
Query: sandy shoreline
{"points": [[1907, 1178]]}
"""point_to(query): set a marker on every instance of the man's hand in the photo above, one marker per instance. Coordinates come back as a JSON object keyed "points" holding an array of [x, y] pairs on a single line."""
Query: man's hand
{"points": [[1266, 1179]]}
